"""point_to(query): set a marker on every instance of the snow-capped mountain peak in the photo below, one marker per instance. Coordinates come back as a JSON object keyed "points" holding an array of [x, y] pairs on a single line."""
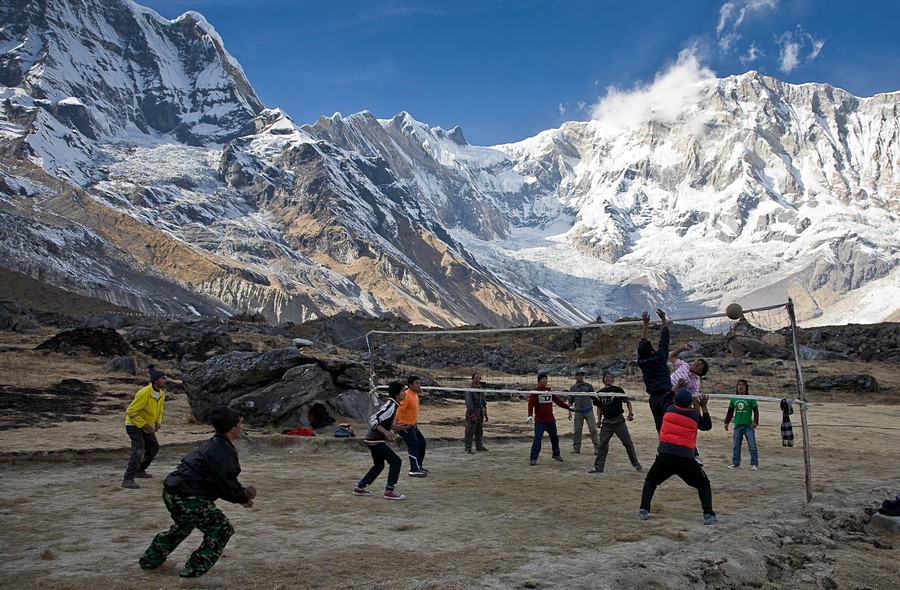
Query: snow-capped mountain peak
{"points": [[736, 189]]}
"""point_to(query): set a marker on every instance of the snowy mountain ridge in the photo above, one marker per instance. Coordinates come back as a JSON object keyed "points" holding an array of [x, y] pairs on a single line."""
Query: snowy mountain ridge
{"points": [[142, 163]]}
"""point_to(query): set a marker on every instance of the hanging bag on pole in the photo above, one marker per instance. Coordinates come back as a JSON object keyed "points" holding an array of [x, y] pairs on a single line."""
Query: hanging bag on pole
{"points": [[787, 431]]}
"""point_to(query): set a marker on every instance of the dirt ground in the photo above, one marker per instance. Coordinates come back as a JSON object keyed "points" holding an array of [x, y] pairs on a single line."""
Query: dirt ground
{"points": [[483, 521], [487, 520]]}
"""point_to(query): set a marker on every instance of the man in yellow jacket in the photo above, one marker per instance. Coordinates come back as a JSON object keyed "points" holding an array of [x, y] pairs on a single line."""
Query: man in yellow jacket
{"points": [[143, 419]]}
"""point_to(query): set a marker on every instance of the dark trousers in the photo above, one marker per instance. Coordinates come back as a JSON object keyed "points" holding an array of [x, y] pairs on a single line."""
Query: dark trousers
{"points": [[658, 405], [475, 429], [144, 447], [189, 513], [539, 429], [687, 469], [415, 447], [382, 453], [609, 427]]}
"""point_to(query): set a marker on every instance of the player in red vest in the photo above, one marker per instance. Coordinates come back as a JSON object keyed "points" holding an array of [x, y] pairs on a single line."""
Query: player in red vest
{"points": [[675, 456]]}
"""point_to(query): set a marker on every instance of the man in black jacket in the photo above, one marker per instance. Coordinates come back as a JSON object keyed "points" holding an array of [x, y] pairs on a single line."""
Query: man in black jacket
{"points": [[190, 492], [654, 365]]}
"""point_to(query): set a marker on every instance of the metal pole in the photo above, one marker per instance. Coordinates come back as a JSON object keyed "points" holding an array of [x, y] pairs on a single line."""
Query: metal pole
{"points": [[801, 394]]}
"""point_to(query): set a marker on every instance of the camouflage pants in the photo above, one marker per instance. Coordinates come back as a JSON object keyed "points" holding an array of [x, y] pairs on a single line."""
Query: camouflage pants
{"points": [[189, 513]]}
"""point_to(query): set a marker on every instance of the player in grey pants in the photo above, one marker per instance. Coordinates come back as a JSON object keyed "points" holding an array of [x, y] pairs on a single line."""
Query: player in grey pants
{"points": [[614, 423], [583, 406]]}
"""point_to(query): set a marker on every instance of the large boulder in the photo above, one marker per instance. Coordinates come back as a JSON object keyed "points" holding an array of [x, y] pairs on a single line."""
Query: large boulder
{"points": [[98, 341], [355, 404], [744, 345], [16, 317], [225, 377], [284, 402], [287, 402], [856, 383], [345, 330], [276, 389], [814, 354], [113, 321]]}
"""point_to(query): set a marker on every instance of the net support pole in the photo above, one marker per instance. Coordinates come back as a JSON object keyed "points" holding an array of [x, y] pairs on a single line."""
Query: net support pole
{"points": [[801, 394]]}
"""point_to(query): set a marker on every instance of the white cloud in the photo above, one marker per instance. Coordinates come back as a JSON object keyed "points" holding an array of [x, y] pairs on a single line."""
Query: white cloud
{"points": [[674, 93], [753, 54], [789, 58], [732, 15], [817, 47], [793, 45], [727, 41]]}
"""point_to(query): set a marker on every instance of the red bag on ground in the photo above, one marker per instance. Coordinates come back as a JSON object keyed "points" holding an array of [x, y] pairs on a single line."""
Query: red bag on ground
{"points": [[302, 431]]}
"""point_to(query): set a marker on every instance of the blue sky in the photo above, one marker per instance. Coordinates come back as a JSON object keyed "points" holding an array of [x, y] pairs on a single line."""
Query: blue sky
{"points": [[504, 70]]}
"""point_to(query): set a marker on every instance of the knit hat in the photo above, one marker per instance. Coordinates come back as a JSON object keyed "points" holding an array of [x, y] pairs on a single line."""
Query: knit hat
{"points": [[224, 418], [156, 375], [684, 398]]}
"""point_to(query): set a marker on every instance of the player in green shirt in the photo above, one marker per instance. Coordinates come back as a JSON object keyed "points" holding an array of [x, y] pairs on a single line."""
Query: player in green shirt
{"points": [[746, 418]]}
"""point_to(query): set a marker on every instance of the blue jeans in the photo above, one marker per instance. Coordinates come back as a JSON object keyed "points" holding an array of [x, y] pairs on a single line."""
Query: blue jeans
{"points": [[750, 433], [539, 429]]}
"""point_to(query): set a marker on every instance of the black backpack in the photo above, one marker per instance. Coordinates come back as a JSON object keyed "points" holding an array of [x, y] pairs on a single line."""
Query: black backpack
{"points": [[319, 417], [890, 507]]}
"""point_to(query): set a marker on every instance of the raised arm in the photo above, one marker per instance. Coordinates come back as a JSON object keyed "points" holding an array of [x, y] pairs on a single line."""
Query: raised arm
{"points": [[645, 329], [663, 320], [674, 354]]}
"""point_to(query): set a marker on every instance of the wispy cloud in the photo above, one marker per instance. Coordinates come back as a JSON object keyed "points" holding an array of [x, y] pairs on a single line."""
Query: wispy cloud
{"points": [[797, 47], [577, 109], [672, 94], [732, 15], [753, 54]]}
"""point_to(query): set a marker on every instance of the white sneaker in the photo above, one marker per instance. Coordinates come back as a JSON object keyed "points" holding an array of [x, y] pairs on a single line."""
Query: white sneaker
{"points": [[733, 466], [754, 468]]}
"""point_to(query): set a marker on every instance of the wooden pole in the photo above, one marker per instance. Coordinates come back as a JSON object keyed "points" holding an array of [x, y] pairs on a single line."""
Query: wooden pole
{"points": [[801, 394]]}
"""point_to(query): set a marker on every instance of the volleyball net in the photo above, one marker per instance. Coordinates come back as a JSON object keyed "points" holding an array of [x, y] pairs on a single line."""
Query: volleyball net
{"points": [[759, 347]]}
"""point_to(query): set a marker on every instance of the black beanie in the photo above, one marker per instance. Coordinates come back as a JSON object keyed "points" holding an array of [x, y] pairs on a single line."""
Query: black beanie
{"points": [[224, 418], [156, 375], [684, 398]]}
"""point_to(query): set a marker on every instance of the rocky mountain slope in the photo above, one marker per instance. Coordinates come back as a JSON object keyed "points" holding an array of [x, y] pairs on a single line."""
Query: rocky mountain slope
{"points": [[138, 166]]}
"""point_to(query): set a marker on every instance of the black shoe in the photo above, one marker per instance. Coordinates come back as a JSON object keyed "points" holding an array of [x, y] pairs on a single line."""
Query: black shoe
{"points": [[481, 448], [557, 458], [470, 451], [142, 475]]}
